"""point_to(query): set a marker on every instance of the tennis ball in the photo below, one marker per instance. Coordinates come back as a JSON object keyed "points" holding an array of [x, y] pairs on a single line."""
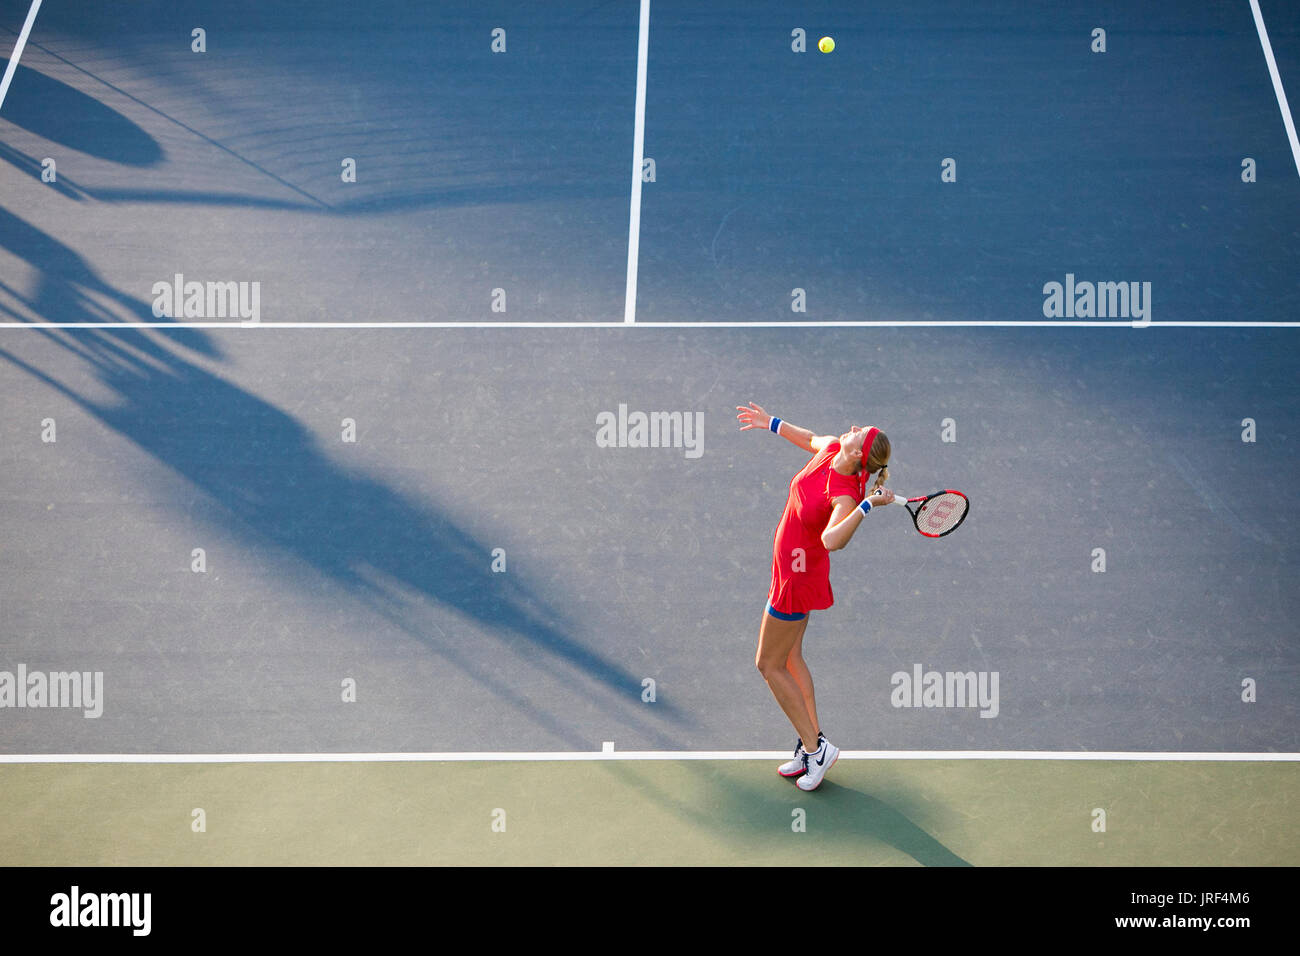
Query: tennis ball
{"points": [[826, 44]]}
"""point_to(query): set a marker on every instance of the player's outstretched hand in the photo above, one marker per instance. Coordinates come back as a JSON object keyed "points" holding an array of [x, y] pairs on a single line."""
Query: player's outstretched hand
{"points": [[752, 417], [883, 496]]}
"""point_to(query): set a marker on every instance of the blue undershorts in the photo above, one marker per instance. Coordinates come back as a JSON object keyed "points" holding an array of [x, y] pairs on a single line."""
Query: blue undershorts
{"points": [[781, 616]]}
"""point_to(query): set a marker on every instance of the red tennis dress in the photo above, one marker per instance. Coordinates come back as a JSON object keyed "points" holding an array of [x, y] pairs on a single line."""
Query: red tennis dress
{"points": [[801, 579]]}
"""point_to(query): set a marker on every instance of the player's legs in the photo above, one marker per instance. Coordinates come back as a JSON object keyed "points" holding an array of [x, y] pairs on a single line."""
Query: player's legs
{"points": [[798, 668], [776, 639]]}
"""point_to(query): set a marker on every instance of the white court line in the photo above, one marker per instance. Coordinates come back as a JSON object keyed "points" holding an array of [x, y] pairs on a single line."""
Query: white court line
{"points": [[544, 756], [18, 50], [881, 324], [1277, 83], [638, 157]]}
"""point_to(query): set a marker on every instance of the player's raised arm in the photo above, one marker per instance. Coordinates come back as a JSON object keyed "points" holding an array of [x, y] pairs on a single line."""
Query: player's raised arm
{"points": [[753, 416]]}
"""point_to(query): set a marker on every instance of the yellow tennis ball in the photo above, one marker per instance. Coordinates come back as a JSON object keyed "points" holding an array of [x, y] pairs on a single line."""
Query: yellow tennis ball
{"points": [[826, 44]]}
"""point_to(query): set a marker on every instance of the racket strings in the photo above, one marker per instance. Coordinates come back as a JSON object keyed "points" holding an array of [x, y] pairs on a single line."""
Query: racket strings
{"points": [[941, 513]]}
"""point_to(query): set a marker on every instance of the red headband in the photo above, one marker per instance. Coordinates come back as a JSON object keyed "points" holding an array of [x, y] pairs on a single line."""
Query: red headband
{"points": [[863, 473], [868, 442]]}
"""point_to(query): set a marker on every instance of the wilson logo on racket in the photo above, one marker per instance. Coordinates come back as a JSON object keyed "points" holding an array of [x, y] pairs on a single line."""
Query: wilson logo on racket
{"points": [[938, 514]]}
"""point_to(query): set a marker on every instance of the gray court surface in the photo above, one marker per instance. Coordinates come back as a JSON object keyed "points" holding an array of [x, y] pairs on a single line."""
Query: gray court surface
{"points": [[373, 560]]}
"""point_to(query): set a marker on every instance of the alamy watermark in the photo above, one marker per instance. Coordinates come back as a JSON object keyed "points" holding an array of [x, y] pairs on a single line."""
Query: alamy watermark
{"points": [[922, 688], [1097, 300], [75, 908], [179, 299], [82, 690], [651, 430]]}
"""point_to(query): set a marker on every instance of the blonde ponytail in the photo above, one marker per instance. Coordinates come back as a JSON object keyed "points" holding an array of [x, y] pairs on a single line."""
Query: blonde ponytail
{"points": [[880, 451]]}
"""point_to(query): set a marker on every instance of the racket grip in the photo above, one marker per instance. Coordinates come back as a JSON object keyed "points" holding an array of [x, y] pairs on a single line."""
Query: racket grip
{"points": [[898, 500]]}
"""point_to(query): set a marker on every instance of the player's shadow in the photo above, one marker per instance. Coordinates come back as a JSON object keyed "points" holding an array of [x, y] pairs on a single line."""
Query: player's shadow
{"points": [[67, 289], [409, 560], [755, 816], [869, 818]]}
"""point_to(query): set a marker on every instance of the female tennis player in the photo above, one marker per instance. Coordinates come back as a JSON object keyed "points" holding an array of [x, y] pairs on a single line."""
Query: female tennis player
{"points": [[828, 500]]}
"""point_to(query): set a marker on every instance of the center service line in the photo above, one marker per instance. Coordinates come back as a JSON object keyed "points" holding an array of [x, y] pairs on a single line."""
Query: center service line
{"points": [[638, 157], [610, 754]]}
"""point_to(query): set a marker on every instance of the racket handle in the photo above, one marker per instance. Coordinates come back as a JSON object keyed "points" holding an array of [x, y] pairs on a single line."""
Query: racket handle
{"points": [[898, 500]]}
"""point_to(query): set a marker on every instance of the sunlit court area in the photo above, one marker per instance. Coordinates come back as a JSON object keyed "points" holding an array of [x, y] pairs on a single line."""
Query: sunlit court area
{"points": [[375, 487]]}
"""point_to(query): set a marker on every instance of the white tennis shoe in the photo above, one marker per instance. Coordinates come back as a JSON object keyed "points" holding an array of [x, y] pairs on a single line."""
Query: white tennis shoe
{"points": [[818, 763], [795, 767]]}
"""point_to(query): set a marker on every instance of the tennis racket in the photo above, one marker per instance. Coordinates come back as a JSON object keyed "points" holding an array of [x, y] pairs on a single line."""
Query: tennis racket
{"points": [[937, 514]]}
